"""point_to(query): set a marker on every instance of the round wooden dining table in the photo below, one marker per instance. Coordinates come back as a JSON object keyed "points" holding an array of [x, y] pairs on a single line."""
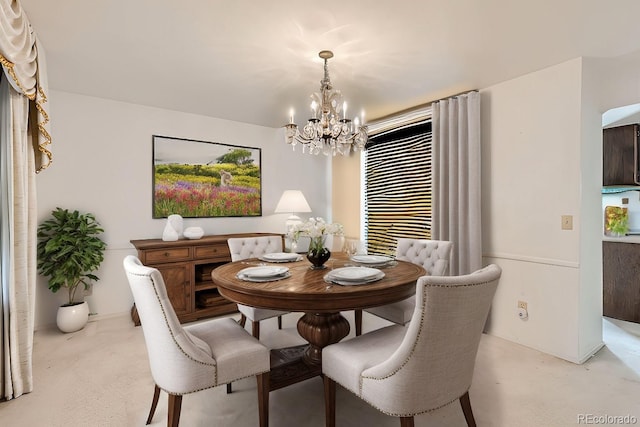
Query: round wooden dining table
{"points": [[306, 290]]}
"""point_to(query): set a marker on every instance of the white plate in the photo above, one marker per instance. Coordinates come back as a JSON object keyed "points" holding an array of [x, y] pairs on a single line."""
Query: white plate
{"points": [[263, 279], [330, 279], [371, 259], [263, 272], [281, 257], [353, 274]]}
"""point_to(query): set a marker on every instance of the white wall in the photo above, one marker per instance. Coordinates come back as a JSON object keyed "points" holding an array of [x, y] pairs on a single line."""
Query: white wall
{"points": [[534, 171], [590, 296], [346, 195], [102, 163]]}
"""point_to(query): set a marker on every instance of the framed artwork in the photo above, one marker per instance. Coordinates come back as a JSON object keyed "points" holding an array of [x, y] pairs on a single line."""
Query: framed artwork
{"points": [[199, 179]]}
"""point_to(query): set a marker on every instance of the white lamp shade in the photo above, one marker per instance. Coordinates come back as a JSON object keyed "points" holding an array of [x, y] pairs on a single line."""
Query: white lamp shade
{"points": [[292, 201]]}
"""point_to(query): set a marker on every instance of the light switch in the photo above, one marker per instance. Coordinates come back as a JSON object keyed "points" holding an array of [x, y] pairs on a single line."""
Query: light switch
{"points": [[567, 222]]}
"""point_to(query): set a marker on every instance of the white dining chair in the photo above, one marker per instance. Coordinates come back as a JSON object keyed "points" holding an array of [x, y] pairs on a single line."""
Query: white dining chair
{"points": [[192, 358], [406, 371], [254, 247], [432, 255]]}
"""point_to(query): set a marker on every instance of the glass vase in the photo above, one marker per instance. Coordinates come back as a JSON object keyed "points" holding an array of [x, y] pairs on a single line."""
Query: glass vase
{"points": [[318, 254]]}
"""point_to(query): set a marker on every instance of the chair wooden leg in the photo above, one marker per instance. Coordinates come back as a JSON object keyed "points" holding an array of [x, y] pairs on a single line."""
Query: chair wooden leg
{"points": [[175, 404], [255, 328], [358, 314], [243, 320], [279, 322], [229, 388], [154, 403], [263, 399], [329, 402], [406, 421], [465, 402]]}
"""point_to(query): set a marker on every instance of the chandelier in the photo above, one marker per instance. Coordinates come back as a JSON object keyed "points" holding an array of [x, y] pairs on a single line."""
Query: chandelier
{"points": [[325, 132]]}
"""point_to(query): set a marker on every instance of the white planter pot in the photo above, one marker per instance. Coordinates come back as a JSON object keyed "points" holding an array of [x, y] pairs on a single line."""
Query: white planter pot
{"points": [[72, 318]]}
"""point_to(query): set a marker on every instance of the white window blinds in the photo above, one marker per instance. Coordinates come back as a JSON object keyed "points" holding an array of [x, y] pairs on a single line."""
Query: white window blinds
{"points": [[398, 186]]}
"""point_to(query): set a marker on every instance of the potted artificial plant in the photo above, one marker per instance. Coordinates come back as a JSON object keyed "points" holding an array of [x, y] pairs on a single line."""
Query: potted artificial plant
{"points": [[616, 221], [68, 251]]}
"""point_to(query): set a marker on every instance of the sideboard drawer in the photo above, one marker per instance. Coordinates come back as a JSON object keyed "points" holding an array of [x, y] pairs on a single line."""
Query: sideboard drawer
{"points": [[167, 255], [213, 251]]}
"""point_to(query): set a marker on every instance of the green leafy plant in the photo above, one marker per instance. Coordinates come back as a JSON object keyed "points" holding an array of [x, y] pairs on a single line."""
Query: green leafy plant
{"points": [[616, 220], [69, 250]]}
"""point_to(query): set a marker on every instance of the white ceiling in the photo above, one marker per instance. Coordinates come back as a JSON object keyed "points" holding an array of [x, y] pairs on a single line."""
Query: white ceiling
{"points": [[252, 61]]}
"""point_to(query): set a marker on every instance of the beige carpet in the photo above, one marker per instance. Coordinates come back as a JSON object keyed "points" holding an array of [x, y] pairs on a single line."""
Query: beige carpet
{"points": [[100, 377]]}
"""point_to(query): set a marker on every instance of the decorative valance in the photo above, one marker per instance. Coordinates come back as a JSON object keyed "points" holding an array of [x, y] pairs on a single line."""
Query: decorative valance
{"points": [[24, 64]]}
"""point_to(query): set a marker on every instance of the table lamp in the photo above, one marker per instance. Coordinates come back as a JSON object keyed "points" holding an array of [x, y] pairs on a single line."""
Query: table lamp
{"points": [[292, 201]]}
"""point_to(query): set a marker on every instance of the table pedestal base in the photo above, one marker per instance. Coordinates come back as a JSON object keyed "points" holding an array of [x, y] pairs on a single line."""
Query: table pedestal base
{"points": [[287, 367], [321, 330], [294, 364]]}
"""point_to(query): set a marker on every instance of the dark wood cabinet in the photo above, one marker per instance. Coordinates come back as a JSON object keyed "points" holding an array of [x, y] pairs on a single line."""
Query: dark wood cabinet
{"points": [[621, 281], [619, 156], [186, 267], [176, 279]]}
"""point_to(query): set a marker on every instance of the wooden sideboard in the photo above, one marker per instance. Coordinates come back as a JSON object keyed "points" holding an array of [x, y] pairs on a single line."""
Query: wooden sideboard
{"points": [[186, 267]]}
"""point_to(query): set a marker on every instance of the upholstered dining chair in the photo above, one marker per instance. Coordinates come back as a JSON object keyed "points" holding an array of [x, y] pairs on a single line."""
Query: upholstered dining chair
{"points": [[433, 255], [406, 371], [253, 247], [195, 357]]}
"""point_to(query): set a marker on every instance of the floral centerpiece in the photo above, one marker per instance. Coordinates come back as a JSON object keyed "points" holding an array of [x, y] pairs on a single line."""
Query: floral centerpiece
{"points": [[317, 230]]}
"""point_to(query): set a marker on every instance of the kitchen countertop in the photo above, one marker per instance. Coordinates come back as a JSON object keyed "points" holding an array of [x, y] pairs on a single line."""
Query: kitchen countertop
{"points": [[626, 239]]}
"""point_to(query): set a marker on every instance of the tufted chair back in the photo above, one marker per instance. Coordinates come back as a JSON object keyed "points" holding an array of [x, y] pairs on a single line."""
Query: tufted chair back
{"points": [[180, 362], [194, 357], [433, 255], [253, 247], [425, 366]]}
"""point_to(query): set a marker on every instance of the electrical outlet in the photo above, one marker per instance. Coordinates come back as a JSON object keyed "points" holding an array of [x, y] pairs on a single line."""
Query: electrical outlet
{"points": [[522, 311]]}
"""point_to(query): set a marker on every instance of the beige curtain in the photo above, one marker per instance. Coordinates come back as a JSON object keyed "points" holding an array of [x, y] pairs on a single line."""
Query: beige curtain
{"points": [[24, 150], [18, 234], [456, 180]]}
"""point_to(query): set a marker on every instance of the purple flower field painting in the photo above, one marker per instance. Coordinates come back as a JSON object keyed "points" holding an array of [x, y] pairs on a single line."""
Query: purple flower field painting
{"points": [[228, 184]]}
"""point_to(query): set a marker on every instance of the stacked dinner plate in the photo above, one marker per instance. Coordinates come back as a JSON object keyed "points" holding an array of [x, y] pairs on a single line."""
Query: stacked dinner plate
{"points": [[353, 275], [281, 257], [265, 273], [373, 260]]}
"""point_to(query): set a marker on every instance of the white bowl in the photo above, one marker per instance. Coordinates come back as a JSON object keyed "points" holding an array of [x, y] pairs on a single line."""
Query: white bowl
{"points": [[193, 233]]}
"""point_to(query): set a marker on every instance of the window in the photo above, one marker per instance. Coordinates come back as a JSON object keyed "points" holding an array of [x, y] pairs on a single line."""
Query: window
{"points": [[398, 186]]}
